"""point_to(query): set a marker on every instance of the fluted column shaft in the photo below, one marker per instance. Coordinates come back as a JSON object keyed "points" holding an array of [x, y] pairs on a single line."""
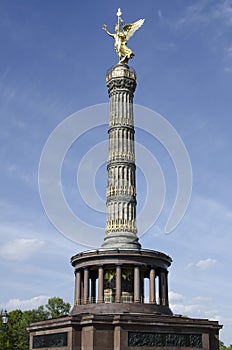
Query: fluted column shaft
{"points": [[121, 229]]}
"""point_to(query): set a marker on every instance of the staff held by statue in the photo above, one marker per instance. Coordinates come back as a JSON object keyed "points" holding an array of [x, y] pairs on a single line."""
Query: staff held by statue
{"points": [[122, 36]]}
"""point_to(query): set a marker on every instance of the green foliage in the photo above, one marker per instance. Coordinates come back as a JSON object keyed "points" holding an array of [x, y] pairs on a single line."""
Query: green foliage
{"points": [[223, 347], [14, 335], [57, 307]]}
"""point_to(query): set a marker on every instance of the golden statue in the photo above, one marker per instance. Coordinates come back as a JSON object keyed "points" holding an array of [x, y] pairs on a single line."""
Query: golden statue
{"points": [[122, 36]]}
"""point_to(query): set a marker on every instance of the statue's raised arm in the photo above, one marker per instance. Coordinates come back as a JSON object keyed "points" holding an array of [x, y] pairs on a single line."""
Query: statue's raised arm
{"points": [[122, 36], [104, 27]]}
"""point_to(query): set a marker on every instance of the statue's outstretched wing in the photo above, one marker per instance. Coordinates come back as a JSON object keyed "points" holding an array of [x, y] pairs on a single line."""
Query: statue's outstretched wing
{"points": [[129, 29]]}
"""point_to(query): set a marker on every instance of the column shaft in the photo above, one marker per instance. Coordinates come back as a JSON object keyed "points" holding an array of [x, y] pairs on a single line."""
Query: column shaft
{"points": [[152, 299], [100, 284], [77, 300], [82, 287], [136, 284], [118, 284], [166, 289], [86, 286], [121, 229], [93, 290], [162, 288]]}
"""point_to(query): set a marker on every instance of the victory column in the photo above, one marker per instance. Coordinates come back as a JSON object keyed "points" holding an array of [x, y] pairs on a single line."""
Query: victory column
{"points": [[111, 310]]}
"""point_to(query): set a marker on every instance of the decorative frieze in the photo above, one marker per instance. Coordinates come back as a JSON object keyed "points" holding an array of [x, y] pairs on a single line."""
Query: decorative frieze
{"points": [[55, 340], [120, 226], [123, 83], [164, 340]]}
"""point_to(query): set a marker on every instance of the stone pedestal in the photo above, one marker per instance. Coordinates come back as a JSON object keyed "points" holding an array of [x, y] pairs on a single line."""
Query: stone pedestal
{"points": [[125, 331]]}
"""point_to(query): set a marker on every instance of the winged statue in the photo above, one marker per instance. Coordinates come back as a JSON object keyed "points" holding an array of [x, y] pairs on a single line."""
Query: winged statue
{"points": [[121, 37]]}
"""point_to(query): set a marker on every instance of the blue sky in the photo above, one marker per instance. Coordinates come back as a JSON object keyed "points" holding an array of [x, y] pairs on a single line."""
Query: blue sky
{"points": [[54, 57]]}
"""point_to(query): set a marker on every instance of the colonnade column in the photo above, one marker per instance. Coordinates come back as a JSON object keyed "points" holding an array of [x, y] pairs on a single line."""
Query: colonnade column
{"points": [[118, 283], [163, 288], [152, 298], [82, 287], [78, 287], [86, 285], [83, 277], [100, 284], [160, 288], [93, 290], [136, 284], [142, 286], [166, 289]]}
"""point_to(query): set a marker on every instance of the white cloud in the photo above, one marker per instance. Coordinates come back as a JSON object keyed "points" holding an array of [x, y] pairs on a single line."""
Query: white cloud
{"points": [[187, 310], [28, 178], [202, 12], [217, 218], [213, 16], [205, 264], [187, 267], [175, 296], [160, 15], [201, 299], [228, 59], [199, 306], [229, 51], [193, 14], [20, 249], [26, 304]]}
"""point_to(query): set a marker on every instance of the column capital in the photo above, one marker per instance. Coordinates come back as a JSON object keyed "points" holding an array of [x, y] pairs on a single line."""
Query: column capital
{"points": [[137, 265]]}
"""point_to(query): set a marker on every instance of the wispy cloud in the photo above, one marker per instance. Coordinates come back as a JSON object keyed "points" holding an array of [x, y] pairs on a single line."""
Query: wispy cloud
{"points": [[229, 52], [217, 218], [20, 249], [205, 264], [160, 15], [175, 296], [211, 20], [194, 14], [29, 178], [204, 12], [26, 304], [192, 307], [228, 59]]}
